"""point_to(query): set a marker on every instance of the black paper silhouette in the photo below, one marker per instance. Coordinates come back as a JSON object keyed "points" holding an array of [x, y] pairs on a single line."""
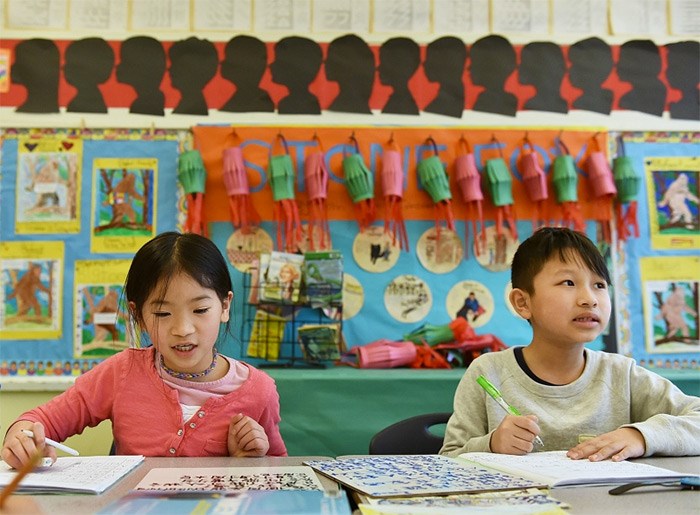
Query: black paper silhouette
{"points": [[640, 64], [193, 63], [444, 63], [296, 65], [492, 62], [399, 59], [245, 62], [542, 65], [142, 66], [37, 68], [683, 73], [89, 63], [350, 63], [591, 64]]}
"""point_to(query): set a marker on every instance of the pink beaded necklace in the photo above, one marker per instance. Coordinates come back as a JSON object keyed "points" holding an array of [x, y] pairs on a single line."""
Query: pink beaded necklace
{"points": [[189, 375]]}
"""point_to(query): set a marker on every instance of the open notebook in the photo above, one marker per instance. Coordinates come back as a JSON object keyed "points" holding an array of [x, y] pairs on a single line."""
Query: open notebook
{"points": [[86, 474], [555, 469]]}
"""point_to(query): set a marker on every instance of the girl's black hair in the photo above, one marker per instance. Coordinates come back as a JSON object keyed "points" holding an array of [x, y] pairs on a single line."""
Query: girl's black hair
{"points": [[171, 253], [568, 245]]}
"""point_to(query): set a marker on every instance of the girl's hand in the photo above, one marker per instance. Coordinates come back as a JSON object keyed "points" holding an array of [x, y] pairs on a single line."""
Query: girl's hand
{"points": [[618, 445], [246, 437], [515, 435], [19, 448]]}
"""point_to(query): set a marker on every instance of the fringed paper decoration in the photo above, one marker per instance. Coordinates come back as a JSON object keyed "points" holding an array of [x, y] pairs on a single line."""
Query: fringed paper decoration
{"points": [[534, 180], [392, 189], [627, 183], [243, 213], [500, 186], [433, 178], [193, 177], [601, 178], [469, 181], [316, 177], [281, 174], [360, 184], [565, 180], [456, 330]]}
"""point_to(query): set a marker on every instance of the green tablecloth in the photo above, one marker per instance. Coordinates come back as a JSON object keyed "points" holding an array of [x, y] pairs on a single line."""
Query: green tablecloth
{"points": [[336, 411]]}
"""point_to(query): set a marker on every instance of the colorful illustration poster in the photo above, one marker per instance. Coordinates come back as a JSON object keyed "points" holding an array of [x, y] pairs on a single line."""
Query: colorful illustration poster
{"points": [[670, 296], [49, 175], [124, 206], [100, 313], [673, 196], [31, 290]]}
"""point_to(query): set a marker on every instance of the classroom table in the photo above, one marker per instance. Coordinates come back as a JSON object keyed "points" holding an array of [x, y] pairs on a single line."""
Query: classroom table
{"points": [[75, 504], [583, 500]]}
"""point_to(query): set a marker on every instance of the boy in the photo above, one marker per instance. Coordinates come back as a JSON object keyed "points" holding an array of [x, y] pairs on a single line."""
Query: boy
{"points": [[594, 404]]}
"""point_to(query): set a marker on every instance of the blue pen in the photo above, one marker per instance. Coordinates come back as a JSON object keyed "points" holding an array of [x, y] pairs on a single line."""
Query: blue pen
{"points": [[496, 395]]}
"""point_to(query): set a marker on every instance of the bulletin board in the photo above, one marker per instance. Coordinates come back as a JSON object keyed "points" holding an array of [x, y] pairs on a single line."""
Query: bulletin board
{"points": [[75, 206]]}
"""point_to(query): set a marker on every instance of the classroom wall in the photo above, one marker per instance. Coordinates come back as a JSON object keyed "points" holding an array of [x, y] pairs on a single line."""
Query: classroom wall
{"points": [[647, 131]]}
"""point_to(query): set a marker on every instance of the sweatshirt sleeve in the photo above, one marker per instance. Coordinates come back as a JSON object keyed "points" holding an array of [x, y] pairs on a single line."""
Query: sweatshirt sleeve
{"points": [[270, 421], [467, 430], [85, 404], [668, 419]]}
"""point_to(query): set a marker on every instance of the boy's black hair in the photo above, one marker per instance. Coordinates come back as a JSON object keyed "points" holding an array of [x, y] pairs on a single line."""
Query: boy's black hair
{"points": [[171, 253], [534, 252]]}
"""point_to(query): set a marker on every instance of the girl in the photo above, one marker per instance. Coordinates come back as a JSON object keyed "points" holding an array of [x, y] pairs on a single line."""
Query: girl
{"points": [[178, 396]]}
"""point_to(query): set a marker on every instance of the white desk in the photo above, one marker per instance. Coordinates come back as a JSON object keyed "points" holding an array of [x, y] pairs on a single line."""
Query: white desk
{"points": [[85, 503], [656, 500]]}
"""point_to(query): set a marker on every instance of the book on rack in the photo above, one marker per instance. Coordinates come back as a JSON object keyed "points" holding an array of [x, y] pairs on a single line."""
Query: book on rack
{"points": [[251, 502], [320, 342], [323, 278], [82, 475], [281, 278], [416, 475], [555, 469]]}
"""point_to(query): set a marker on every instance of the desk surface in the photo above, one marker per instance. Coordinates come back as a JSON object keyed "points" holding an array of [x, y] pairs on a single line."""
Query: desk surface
{"points": [[588, 500], [74, 504]]}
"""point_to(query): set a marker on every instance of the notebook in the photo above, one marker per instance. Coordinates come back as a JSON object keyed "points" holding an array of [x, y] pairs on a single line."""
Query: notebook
{"points": [[416, 475], [555, 469], [83, 475]]}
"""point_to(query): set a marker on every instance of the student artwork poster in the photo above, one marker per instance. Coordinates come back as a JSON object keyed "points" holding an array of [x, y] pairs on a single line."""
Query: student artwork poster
{"points": [[674, 202], [49, 178], [100, 319], [124, 204], [671, 310], [31, 290]]}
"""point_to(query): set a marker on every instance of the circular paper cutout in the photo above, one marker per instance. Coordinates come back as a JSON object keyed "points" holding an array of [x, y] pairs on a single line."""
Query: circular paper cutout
{"points": [[439, 255], [499, 250], [353, 299], [243, 249], [374, 251], [472, 301], [408, 298]]}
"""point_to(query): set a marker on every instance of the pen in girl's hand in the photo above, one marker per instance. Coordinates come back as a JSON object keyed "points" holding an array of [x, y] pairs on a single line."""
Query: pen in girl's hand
{"points": [[53, 443]]}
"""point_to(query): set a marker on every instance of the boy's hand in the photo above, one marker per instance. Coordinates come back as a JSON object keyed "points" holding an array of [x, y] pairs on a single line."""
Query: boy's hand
{"points": [[246, 437], [19, 448], [618, 445], [515, 435]]}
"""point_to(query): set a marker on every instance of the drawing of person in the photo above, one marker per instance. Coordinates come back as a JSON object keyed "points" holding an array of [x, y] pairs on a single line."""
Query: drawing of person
{"points": [[542, 66], [399, 59], [40, 370], [89, 63], [591, 65], [672, 312], [287, 276], [13, 368], [22, 368], [142, 66], [107, 305], [675, 198], [444, 63], [4, 368], [46, 183], [639, 64], [493, 60], [37, 68], [471, 308]]}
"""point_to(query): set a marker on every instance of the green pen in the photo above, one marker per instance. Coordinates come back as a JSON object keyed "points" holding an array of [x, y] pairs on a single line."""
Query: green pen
{"points": [[496, 395]]}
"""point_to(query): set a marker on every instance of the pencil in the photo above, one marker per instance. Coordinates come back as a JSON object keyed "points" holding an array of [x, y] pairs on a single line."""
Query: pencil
{"points": [[26, 469]]}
